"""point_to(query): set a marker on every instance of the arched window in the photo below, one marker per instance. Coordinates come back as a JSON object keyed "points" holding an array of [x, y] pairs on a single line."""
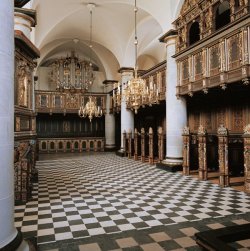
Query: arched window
{"points": [[222, 15], [194, 33]]}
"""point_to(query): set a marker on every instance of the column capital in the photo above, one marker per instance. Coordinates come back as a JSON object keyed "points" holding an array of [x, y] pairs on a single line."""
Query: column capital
{"points": [[126, 69], [169, 37], [109, 82]]}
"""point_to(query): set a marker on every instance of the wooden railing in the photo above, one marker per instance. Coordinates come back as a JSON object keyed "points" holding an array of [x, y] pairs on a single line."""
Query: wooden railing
{"points": [[216, 155], [145, 146], [65, 102]]}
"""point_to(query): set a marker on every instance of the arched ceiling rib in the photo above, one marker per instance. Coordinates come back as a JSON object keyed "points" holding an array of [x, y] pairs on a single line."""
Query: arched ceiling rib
{"points": [[59, 21]]}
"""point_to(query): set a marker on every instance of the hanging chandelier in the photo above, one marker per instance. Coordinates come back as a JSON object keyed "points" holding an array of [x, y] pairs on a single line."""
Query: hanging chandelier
{"points": [[90, 110], [135, 91]]}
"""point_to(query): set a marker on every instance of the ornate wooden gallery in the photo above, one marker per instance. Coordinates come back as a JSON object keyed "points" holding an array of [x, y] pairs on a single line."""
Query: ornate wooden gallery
{"points": [[60, 129], [25, 119], [213, 60]]}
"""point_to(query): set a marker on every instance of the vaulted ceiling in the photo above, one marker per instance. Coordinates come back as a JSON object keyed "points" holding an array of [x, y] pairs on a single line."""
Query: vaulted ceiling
{"points": [[59, 22]]}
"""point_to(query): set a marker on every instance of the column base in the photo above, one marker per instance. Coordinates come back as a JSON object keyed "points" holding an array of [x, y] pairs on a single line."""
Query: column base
{"points": [[110, 148], [171, 164], [19, 244], [120, 153], [14, 244]]}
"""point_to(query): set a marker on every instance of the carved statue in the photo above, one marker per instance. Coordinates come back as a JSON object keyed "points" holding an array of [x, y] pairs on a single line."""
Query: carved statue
{"points": [[222, 131], [22, 86], [247, 130]]}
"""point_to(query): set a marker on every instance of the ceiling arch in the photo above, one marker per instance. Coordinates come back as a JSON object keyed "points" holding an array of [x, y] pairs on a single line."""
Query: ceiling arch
{"points": [[60, 21]]}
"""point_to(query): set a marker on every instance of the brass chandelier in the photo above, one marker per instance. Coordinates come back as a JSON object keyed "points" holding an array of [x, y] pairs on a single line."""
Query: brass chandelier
{"points": [[135, 91], [90, 110]]}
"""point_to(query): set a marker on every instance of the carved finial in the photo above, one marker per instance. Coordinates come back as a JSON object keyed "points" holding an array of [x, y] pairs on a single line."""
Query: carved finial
{"points": [[160, 131], [202, 130], [142, 130], [186, 130], [136, 131], [222, 130], [247, 130], [150, 130]]}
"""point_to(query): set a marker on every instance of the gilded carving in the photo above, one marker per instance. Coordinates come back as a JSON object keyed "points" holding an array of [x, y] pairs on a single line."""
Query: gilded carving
{"points": [[18, 127], [246, 137], [201, 130], [225, 52], [202, 153], [72, 101], [186, 130], [160, 144], [23, 82], [222, 133], [151, 146], [247, 130]]}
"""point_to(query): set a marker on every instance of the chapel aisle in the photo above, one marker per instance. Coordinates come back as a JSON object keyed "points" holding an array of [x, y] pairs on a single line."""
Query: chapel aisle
{"points": [[97, 202]]}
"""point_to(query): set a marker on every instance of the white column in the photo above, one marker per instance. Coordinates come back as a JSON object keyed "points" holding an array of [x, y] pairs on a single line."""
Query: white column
{"points": [[8, 231], [176, 112], [109, 126], [127, 116], [23, 23]]}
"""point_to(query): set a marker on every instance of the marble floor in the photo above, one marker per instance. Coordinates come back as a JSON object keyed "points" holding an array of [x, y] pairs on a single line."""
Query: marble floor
{"points": [[101, 202]]}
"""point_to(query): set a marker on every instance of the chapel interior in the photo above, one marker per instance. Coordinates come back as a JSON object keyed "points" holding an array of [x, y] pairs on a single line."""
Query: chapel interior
{"points": [[125, 125]]}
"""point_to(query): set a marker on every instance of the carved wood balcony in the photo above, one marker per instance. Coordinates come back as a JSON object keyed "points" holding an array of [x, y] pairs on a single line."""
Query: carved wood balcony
{"points": [[58, 102]]}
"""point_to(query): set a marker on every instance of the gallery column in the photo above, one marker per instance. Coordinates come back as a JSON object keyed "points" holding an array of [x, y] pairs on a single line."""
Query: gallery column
{"points": [[9, 237], [176, 111], [127, 116]]}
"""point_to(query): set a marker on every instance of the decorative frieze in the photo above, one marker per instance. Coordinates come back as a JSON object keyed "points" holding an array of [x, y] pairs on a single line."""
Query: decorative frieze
{"points": [[57, 102]]}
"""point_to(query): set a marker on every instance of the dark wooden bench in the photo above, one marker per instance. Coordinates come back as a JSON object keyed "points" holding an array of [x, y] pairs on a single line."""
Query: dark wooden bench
{"points": [[219, 239]]}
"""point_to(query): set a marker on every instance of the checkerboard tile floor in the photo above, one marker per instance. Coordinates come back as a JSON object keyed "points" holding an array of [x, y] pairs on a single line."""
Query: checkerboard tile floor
{"points": [[94, 195]]}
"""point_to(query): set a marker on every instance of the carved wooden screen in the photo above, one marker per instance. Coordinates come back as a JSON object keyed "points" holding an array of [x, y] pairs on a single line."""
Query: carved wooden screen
{"points": [[214, 59], [234, 44]]}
